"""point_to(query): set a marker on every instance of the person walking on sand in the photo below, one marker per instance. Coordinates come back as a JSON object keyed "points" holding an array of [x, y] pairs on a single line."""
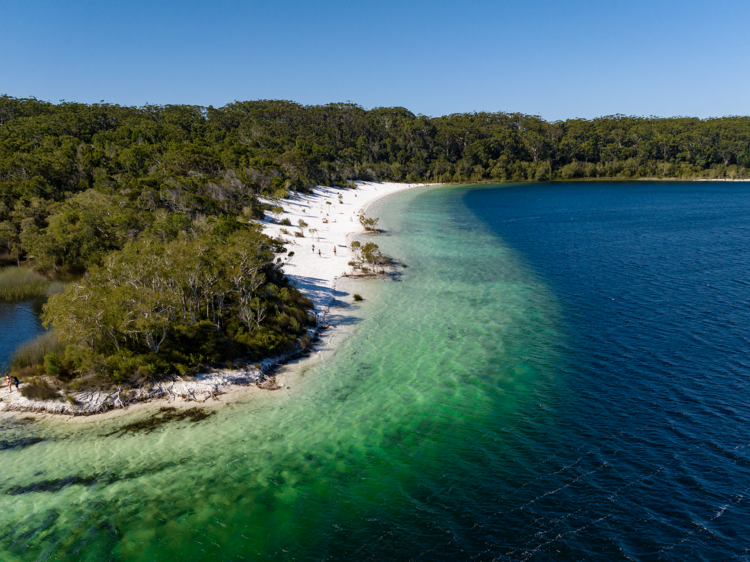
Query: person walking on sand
{"points": [[319, 255], [7, 379], [313, 248], [15, 381], [334, 250]]}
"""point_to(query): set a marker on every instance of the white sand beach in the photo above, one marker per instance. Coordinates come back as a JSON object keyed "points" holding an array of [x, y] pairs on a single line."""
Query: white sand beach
{"points": [[332, 216]]}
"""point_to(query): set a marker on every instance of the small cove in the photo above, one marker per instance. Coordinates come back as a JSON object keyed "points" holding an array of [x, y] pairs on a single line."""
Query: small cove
{"points": [[19, 322]]}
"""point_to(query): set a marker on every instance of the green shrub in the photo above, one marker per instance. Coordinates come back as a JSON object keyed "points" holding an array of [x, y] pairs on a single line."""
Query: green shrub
{"points": [[52, 364], [285, 222], [358, 297], [255, 211], [39, 390], [124, 366], [291, 254], [299, 234], [369, 224]]}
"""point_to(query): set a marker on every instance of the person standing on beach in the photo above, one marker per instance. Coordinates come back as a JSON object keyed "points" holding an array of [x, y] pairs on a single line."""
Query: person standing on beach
{"points": [[334, 250], [319, 255], [7, 379], [15, 381], [313, 248]]}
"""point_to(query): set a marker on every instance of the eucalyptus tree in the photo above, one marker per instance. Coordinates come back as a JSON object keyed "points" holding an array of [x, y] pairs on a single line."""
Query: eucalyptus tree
{"points": [[154, 292]]}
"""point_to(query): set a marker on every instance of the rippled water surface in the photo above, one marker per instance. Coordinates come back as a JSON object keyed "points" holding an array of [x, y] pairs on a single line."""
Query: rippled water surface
{"points": [[559, 374]]}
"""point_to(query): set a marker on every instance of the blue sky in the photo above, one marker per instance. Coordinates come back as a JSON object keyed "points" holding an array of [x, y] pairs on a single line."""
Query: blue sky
{"points": [[557, 59]]}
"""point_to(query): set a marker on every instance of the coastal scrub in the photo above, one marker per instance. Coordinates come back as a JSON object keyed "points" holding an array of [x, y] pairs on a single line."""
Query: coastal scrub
{"points": [[164, 306]]}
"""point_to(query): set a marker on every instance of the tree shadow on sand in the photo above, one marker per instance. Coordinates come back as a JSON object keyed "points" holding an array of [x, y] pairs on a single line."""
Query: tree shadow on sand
{"points": [[328, 300]]}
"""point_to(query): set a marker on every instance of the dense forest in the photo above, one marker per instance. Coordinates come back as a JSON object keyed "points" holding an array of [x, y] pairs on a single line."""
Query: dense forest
{"points": [[77, 181], [110, 198]]}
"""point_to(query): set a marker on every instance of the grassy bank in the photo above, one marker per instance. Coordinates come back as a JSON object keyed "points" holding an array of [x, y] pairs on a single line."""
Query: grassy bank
{"points": [[19, 283]]}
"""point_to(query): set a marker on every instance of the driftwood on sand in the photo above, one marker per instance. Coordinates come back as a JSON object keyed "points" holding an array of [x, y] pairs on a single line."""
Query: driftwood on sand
{"points": [[95, 401]]}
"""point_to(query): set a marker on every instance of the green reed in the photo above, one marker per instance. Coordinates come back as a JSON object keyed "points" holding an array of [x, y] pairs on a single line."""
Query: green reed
{"points": [[33, 351], [19, 283]]}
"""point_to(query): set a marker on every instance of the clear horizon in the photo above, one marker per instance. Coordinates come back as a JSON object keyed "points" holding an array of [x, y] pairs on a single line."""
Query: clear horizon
{"points": [[581, 59]]}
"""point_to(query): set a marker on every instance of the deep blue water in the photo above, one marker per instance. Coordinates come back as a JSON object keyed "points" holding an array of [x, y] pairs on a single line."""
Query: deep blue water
{"points": [[644, 453]]}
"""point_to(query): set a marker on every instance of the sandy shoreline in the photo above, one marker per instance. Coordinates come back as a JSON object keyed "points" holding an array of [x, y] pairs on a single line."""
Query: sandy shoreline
{"points": [[315, 272], [332, 217]]}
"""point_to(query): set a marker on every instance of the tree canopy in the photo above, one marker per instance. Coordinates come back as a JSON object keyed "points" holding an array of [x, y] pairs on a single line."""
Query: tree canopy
{"points": [[62, 165], [165, 305]]}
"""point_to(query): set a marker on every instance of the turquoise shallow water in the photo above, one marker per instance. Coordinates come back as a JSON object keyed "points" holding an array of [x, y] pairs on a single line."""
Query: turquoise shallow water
{"points": [[493, 403]]}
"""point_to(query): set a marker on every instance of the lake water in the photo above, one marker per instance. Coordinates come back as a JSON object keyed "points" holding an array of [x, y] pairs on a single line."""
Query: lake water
{"points": [[561, 373], [19, 322]]}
